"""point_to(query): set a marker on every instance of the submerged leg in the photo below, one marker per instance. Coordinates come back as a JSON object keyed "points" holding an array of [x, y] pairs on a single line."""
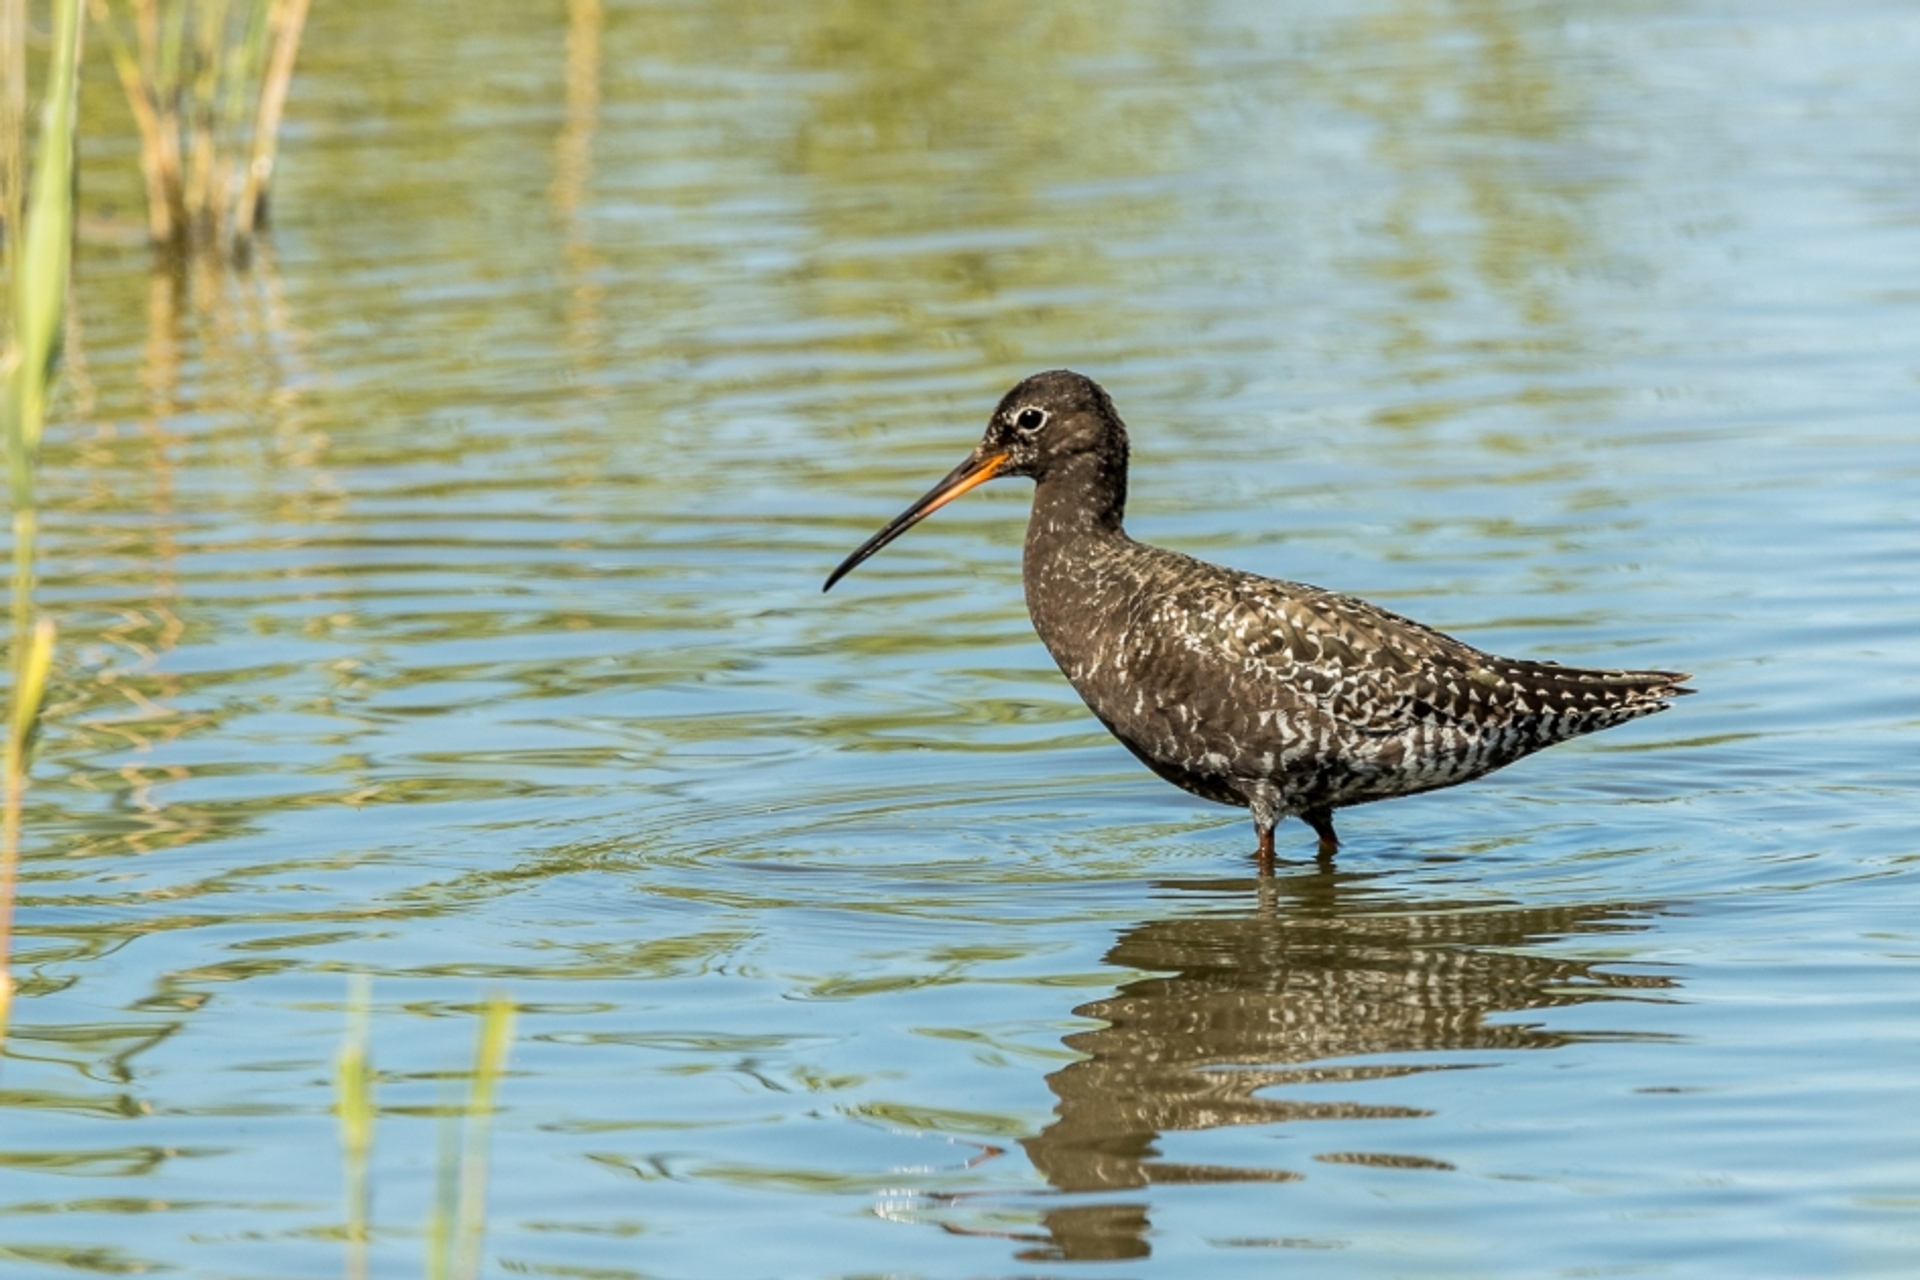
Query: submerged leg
{"points": [[1265, 807], [1321, 820], [1265, 852]]}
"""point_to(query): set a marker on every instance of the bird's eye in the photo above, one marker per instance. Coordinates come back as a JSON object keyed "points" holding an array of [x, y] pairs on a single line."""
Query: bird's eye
{"points": [[1030, 419]]}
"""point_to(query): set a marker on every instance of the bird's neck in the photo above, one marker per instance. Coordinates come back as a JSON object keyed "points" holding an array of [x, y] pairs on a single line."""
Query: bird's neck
{"points": [[1074, 529], [1082, 495]]}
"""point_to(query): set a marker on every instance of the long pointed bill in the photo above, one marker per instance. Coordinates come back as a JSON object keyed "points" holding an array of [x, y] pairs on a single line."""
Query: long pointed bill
{"points": [[975, 471]]}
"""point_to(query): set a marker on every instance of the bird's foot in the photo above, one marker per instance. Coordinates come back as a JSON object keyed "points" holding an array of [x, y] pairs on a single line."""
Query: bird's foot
{"points": [[1321, 820], [1264, 855]]}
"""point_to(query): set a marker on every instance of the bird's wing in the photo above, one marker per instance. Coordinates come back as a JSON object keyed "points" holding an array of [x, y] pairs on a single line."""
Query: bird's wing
{"points": [[1358, 664], [1378, 672]]}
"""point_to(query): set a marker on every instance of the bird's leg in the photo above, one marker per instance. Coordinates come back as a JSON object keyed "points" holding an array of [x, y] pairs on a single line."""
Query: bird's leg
{"points": [[1321, 820], [1265, 806], [1265, 851]]}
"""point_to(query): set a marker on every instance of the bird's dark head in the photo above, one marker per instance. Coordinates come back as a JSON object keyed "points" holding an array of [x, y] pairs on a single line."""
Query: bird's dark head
{"points": [[1049, 418], [1050, 421]]}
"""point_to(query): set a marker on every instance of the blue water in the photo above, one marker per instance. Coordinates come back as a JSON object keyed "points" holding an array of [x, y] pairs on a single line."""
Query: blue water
{"points": [[440, 603]]}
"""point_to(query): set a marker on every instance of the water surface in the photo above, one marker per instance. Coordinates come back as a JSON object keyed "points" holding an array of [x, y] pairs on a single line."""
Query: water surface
{"points": [[440, 603]]}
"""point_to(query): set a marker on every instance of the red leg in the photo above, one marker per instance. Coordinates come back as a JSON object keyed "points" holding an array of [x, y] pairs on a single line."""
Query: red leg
{"points": [[1321, 820]]}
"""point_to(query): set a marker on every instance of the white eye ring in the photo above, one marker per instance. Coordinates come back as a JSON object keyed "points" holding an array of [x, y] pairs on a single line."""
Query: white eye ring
{"points": [[1030, 419]]}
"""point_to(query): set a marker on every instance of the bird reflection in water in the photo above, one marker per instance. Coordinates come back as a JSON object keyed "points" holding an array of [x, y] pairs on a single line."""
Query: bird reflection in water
{"points": [[1323, 969]]}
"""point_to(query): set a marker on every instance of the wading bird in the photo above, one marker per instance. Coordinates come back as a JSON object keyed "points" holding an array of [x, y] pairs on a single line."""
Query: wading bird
{"points": [[1279, 697]]}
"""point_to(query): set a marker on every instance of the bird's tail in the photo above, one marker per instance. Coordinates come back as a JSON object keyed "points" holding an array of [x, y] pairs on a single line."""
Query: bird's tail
{"points": [[1592, 698]]}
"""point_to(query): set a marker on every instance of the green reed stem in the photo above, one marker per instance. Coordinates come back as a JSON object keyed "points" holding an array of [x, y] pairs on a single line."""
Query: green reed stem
{"points": [[133, 82], [13, 122], [289, 20], [39, 301], [207, 81], [40, 283], [29, 688]]}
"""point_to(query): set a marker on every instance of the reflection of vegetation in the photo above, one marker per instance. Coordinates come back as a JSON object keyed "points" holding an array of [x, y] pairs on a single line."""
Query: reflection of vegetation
{"points": [[1493, 194], [460, 1212], [934, 122], [39, 304], [194, 342], [1323, 970], [460, 1202], [354, 1085], [207, 82], [573, 171], [220, 325]]}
